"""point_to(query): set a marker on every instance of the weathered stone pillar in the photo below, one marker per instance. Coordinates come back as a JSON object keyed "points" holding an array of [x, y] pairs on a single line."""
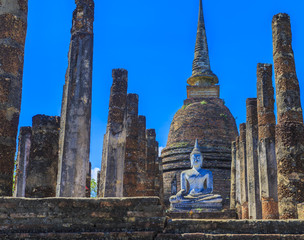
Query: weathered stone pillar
{"points": [[233, 176], [254, 202], [88, 181], [142, 156], [114, 144], [98, 184], [13, 18], [152, 164], [238, 178], [24, 148], [76, 105], [41, 173], [243, 171], [266, 144], [289, 129], [131, 175]]}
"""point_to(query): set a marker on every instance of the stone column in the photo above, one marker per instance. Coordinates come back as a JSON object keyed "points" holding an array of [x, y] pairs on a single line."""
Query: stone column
{"points": [[24, 147], [98, 184], [238, 178], [76, 105], [114, 144], [254, 202], [131, 175], [243, 171], [13, 27], [152, 167], [142, 157], [233, 176], [266, 144], [88, 181], [289, 129], [41, 173]]}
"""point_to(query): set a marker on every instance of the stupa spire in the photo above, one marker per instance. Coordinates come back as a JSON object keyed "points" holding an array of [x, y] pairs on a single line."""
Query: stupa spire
{"points": [[201, 72]]}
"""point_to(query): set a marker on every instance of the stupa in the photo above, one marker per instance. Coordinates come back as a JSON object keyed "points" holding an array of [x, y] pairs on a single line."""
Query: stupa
{"points": [[204, 116]]}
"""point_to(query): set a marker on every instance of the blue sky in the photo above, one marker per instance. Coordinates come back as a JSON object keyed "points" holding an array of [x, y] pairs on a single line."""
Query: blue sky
{"points": [[154, 41]]}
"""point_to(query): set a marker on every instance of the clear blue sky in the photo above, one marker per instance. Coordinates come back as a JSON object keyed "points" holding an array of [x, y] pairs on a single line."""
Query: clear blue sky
{"points": [[154, 41]]}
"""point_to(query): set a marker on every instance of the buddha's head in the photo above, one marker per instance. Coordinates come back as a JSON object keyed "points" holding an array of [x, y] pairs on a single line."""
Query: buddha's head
{"points": [[196, 157]]}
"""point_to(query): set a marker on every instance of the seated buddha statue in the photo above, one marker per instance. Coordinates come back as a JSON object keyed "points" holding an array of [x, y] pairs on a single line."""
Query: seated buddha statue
{"points": [[196, 187]]}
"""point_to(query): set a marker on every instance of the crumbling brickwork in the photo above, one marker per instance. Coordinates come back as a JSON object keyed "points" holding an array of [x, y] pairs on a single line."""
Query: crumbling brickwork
{"points": [[13, 27], [41, 173], [238, 192], [266, 143], [76, 105], [24, 147], [289, 129], [131, 174]]}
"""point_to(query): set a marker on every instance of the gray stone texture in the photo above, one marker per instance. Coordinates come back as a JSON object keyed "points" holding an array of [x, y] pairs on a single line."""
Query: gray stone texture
{"points": [[233, 176], [13, 28], [289, 129], [266, 144], [254, 201], [41, 173], [24, 147], [243, 171], [76, 105], [114, 144]]}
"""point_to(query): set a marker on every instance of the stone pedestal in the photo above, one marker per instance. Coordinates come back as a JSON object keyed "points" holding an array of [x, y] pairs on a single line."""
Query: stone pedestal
{"points": [[13, 18]]}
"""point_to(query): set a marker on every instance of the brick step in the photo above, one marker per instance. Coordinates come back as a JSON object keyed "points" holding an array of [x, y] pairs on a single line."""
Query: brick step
{"points": [[183, 226], [202, 236]]}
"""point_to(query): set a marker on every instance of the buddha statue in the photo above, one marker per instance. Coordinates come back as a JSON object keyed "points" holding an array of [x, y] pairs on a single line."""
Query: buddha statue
{"points": [[196, 187]]}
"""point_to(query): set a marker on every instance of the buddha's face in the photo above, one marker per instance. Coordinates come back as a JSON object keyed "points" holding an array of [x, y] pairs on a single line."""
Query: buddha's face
{"points": [[196, 160]]}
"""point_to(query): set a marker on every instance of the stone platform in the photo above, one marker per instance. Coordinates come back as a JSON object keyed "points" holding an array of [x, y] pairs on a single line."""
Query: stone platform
{"points": [[125, 219], [224, 214]]}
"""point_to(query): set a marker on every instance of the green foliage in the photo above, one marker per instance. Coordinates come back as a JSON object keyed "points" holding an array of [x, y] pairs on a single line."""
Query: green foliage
{"points": [[203, 102], [14, 176], [224, 102], [93, 188], [223, 115]]}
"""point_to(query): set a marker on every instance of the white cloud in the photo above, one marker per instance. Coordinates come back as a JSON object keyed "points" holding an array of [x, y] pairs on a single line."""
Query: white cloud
{"points": [[159, 150], [94, 173]]}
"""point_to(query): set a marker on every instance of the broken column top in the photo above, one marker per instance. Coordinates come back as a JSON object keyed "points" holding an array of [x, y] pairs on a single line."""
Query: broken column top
{"points": [[46, 121], [151, 133], [83, 17], [242, 137], [252, 115], [25, 130], [142, 120], [120, 74]]}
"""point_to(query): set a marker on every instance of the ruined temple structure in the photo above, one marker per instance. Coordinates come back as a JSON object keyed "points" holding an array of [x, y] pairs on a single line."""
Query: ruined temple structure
{"points": [[274, 151], [42, 168], [289, 132], [130, 163], [205, 117], [74, 143], [13, 28]]}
